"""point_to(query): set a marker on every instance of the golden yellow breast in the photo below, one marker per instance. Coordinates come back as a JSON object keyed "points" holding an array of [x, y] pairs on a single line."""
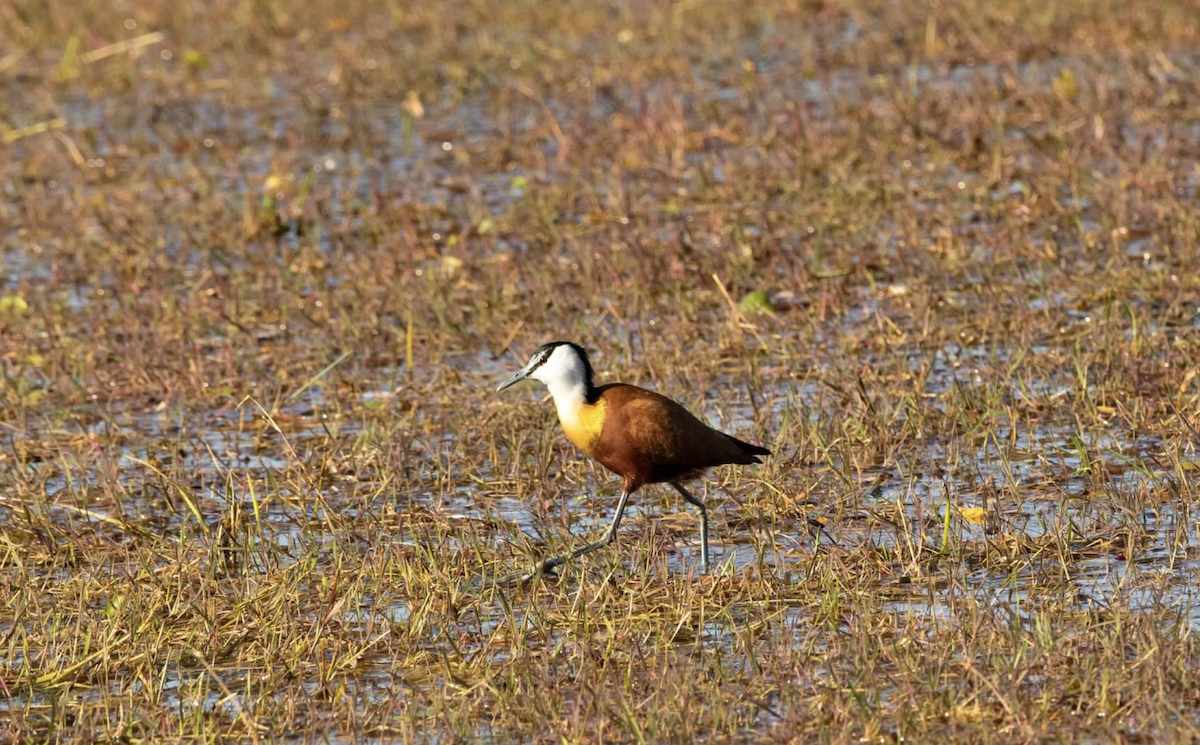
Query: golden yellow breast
{"points": [[582, 423]]}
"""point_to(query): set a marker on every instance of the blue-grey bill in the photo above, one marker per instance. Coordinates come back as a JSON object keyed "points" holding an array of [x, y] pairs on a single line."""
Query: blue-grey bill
{"points": [[516, 378]]}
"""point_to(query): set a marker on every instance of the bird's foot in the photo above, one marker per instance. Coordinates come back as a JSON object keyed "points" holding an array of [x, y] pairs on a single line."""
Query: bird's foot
{"points": [[544, 568]]}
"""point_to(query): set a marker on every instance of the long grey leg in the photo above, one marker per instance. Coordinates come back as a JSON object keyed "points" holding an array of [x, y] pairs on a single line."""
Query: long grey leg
{"points": [[703, 523], [609, 536]]}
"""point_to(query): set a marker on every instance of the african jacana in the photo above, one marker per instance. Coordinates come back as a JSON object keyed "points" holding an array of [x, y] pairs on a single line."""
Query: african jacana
{"points": [[643, 437]]}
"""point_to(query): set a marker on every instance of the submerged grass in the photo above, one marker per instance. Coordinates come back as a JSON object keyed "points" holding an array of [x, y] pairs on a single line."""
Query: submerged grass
{"points": [[261, 265]]}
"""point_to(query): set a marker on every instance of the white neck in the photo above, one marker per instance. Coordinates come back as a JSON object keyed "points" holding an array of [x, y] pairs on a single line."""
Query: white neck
{"points": [[568, 395]]}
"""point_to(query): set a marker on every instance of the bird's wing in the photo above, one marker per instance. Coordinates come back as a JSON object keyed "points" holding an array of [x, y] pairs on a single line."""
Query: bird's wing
{"points": [[666, 434]]}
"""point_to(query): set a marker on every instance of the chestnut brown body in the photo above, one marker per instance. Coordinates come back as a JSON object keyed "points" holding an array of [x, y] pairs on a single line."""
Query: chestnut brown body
{"points": [[647, 438]]}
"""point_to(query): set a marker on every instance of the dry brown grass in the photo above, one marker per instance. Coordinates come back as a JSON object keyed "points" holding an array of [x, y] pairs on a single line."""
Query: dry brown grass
{"points": [[254, 298]]}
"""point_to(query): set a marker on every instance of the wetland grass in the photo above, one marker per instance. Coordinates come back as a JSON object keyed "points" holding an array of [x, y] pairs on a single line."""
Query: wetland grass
{"points": [[262, 263]]}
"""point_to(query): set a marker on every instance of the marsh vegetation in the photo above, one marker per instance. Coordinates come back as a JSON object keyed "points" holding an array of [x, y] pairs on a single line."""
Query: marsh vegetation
{"points": [[262, 264]]}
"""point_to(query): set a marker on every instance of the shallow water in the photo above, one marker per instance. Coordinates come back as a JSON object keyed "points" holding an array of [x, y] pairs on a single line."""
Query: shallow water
{"points": [[1072, 508]]}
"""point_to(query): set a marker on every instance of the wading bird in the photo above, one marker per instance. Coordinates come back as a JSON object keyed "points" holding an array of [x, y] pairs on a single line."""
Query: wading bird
{"points": [[641, 436]]}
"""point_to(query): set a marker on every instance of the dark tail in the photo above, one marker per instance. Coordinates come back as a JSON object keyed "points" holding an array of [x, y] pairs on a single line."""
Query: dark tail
{"points": [[751, 450]]}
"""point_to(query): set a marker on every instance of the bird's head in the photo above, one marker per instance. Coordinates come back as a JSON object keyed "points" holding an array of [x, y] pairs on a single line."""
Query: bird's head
{"points": [[559, 365]]}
